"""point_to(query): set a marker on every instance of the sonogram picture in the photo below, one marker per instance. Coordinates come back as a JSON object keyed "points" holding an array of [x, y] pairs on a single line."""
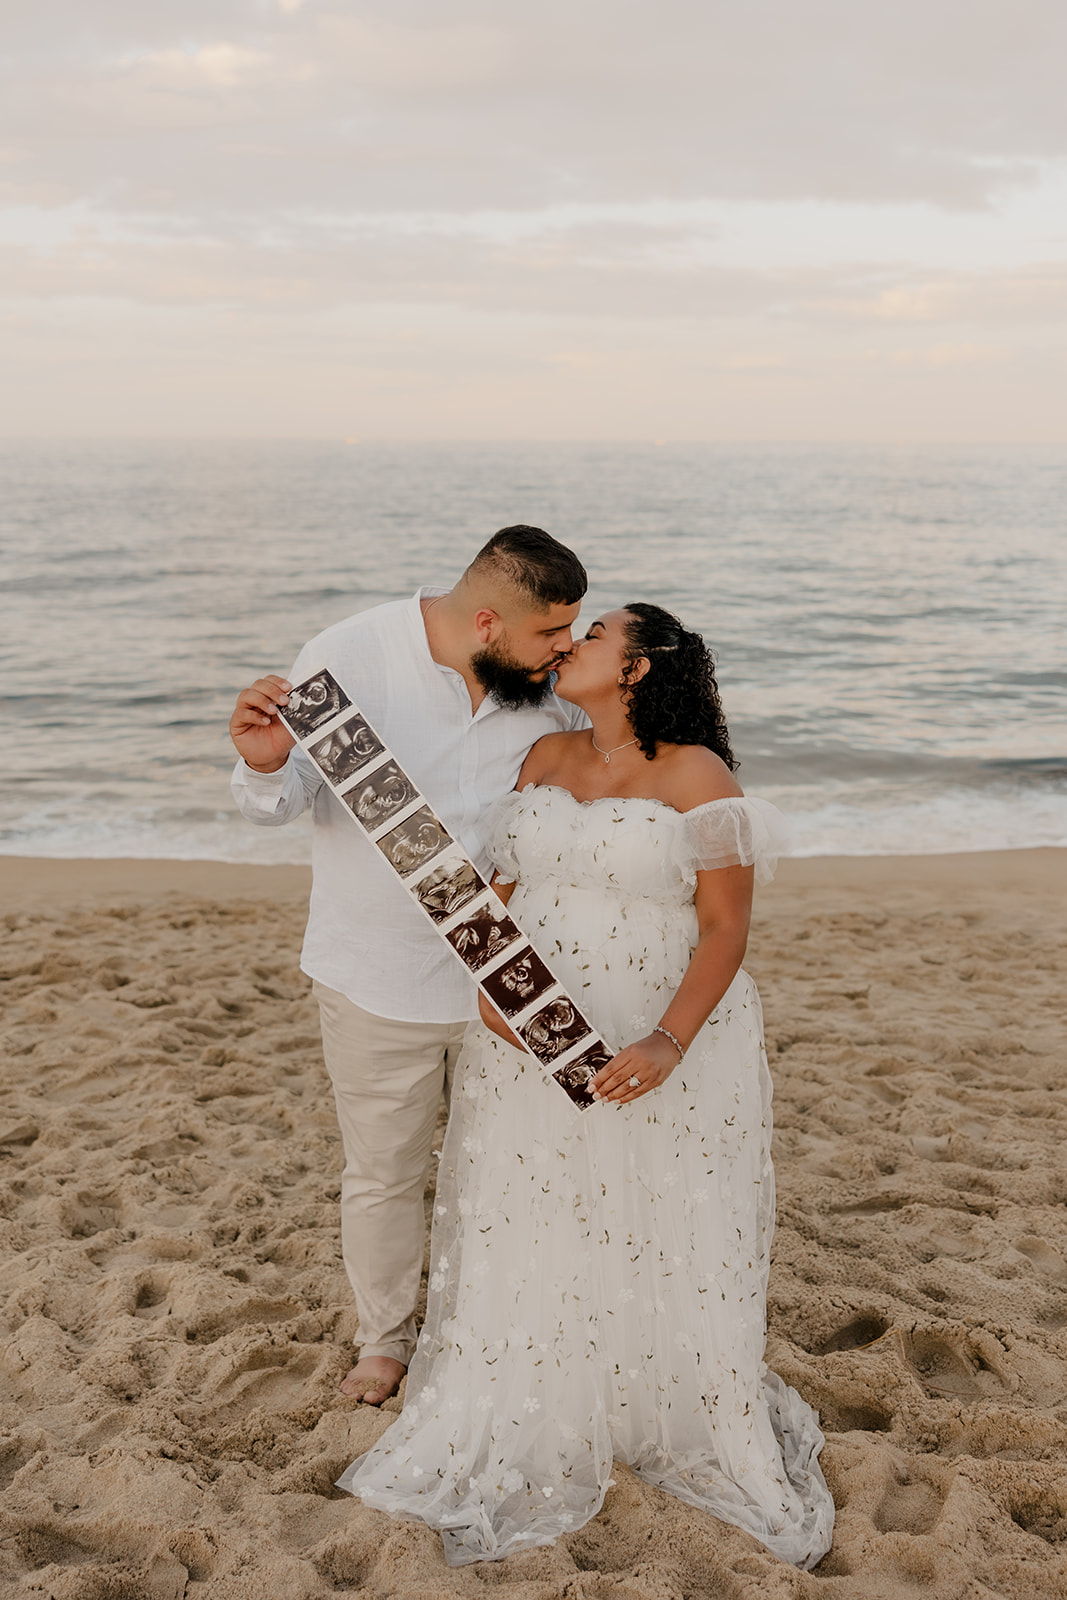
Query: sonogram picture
{"points": [[436, 872]]}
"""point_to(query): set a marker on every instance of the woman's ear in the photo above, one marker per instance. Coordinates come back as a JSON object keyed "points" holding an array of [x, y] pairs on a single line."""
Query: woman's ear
{"points": [[635, 672]]}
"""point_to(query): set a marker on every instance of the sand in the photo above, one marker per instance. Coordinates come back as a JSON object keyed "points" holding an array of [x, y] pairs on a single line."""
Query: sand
{"points": [[175, 1314]]}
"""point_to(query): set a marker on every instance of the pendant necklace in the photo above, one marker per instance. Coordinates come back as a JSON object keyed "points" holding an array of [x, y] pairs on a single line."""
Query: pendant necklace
{"points": [[607, 754]]}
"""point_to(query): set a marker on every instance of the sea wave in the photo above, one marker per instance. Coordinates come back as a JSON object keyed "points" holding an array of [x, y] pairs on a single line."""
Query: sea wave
{"points": [[887, 623], [953, 821]]}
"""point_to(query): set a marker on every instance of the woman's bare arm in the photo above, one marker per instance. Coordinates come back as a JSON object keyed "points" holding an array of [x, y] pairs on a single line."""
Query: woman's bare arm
{"points": [[723, 905], [693, 777], [496, 1024]]}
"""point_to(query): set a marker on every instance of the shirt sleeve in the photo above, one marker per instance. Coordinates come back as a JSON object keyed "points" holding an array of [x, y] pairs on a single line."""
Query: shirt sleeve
{"points": [[736, 832], [271, 799]]}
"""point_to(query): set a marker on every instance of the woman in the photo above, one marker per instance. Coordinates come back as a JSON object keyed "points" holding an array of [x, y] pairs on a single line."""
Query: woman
{"points": [[598, 1279]]}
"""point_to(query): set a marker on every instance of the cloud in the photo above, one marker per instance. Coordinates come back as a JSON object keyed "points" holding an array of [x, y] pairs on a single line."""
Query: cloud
{"points": [[505, 104], [596, 271], [382, 371], [1035, 294], [938, 355], [382, 55], [214, 66], [528, 196]]}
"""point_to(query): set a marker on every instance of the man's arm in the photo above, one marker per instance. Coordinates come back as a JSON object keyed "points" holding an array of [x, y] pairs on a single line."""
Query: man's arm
{"points": [[273, 798], [273, 782]]}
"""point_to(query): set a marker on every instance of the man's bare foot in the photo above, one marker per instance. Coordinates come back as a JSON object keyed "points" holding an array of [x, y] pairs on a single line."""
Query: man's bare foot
{"points": [[373, 1379]]}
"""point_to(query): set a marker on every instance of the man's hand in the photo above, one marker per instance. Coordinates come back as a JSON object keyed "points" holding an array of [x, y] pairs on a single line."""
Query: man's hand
{"points": [[254, 727]]}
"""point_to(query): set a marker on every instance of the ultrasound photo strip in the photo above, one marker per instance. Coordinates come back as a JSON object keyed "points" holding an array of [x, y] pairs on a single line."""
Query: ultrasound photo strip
{"points": [[379, 796]]}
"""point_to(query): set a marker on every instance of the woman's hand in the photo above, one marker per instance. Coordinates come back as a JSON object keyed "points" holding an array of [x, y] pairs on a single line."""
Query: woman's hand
{"points": [[651, 1060]]}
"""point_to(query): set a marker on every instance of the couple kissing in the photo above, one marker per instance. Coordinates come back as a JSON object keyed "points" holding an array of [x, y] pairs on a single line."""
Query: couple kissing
{"points": [[597, 1280]]}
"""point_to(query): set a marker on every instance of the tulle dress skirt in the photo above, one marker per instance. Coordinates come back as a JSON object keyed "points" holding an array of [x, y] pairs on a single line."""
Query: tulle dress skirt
{"points": [[598, 1279]]}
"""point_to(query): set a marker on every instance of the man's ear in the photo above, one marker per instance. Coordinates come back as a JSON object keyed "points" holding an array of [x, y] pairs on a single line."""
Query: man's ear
{"points": [[487, 624]]}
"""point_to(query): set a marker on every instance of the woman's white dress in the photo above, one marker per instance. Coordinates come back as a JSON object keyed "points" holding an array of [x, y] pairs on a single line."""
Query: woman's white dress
{"points": [[598, 1278]]}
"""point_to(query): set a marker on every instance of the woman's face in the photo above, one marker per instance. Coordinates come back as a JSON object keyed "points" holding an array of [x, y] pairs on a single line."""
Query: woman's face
{"points": [[596, 661]]}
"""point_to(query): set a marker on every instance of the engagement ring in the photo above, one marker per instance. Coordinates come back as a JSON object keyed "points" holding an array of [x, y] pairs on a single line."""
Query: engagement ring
{"points": [[635, 1083]]}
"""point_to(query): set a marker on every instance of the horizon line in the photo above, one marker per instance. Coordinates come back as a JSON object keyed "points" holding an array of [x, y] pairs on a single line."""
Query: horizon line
{"points": [[649, 441]]}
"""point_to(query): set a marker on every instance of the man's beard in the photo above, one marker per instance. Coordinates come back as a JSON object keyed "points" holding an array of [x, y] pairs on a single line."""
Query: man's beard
{"points": [[509, 683]]}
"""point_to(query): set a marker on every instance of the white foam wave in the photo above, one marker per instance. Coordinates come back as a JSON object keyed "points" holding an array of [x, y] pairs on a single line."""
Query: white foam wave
{"points": [[139, 835], [944, 823], [848, 824]]}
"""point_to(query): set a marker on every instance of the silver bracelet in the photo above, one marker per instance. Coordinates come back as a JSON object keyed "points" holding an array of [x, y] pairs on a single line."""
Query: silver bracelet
{"points": [[670, 1036]]}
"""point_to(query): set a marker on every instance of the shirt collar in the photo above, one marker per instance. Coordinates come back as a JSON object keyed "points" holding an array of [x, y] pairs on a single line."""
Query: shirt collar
{"points": [[431, 591], [426, 591]]}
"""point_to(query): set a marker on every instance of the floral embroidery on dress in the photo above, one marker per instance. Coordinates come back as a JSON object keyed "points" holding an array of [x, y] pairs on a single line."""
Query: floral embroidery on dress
{"points": [[598, 1280]]}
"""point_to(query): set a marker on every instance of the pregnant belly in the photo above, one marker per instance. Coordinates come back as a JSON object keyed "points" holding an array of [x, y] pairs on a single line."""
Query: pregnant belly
{"points": [[621, 960]]}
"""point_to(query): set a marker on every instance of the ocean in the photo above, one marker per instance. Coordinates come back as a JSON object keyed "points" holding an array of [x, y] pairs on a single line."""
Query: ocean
{"points": [[888, 621]]}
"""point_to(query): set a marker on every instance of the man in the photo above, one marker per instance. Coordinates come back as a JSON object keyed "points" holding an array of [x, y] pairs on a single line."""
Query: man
{"points": [[458, 683]]}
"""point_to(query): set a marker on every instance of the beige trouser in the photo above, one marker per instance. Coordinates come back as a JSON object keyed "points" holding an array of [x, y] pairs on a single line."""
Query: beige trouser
{"points": [[388, 1078]]}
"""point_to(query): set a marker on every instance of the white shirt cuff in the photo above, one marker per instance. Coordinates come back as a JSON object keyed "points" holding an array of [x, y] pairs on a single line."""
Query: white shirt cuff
{"points": [[264, 790]]}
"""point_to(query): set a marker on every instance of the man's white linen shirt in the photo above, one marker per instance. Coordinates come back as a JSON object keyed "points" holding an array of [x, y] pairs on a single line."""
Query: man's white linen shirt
{"points": [[365, 937]]}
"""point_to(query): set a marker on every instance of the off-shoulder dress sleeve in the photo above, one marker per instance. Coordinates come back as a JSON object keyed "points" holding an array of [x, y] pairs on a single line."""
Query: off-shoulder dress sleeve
{"points": [[741, 832], [498, 824]]}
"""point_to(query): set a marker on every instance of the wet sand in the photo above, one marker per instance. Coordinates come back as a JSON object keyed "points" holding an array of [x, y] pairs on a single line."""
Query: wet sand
{"points": [[175, 1315]]}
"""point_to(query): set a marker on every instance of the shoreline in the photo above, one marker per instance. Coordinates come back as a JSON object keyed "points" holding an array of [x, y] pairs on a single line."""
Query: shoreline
{"points": [[25, 880]]}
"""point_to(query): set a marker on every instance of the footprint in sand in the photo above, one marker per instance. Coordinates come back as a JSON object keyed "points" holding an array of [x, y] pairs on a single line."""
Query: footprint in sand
{"points": [[912, 1504], [267, 1374], [212, 1324], [1040, 1510], [944, 1366], [87, 1214], [932, 1147], [153, 1295], [855, 1335], [1043, 1256]]}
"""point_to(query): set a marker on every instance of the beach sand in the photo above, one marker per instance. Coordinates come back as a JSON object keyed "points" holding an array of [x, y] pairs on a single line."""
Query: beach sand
{"points": [[175, 1316]]}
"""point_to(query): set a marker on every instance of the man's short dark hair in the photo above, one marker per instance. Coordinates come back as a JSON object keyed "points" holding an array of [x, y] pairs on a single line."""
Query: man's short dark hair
{"points": [[536, 564]]}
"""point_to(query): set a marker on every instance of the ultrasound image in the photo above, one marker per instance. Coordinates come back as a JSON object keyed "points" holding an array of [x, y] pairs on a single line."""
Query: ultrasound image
{"points": [[576, 1078], [313, 703], [486, 933], [554, 1029], [448, 888], [385, 792], [414, 841], [346, 750], [518, 983]]}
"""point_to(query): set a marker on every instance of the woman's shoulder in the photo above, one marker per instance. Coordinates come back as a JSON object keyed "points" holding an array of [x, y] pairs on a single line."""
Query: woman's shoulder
{"points": [[544, 758], [694, 776]]}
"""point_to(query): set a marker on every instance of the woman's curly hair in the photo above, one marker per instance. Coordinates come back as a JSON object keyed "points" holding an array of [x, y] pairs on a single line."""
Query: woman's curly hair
{"points": [[677, 700]]}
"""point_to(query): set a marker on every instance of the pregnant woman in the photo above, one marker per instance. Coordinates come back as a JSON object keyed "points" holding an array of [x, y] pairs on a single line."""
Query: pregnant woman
{"points": [[598, 1279]]}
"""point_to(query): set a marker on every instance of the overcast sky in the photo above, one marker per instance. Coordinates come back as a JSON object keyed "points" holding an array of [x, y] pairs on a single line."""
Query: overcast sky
{"points": [[678, 219]]}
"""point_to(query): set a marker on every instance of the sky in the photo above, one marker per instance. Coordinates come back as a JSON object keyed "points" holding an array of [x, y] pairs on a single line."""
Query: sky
{"points": [[479, 219]]}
